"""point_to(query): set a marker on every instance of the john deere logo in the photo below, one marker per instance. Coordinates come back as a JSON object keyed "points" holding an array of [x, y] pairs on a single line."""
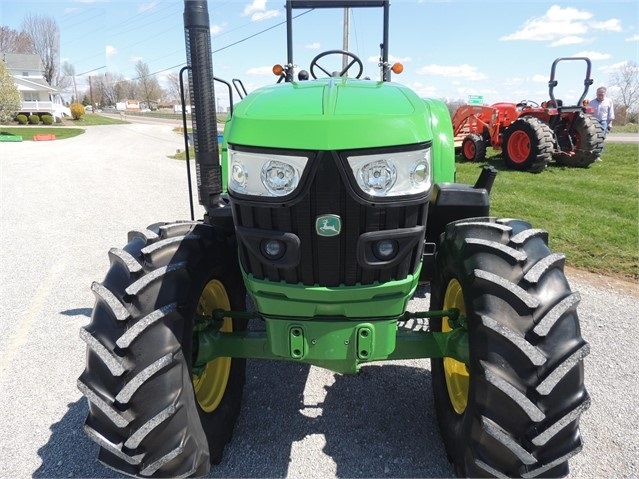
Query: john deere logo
{"points": [[328, 225]]}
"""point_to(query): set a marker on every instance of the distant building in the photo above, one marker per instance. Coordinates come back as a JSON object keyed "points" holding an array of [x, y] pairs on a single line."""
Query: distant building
{"points": [[37, 95]]}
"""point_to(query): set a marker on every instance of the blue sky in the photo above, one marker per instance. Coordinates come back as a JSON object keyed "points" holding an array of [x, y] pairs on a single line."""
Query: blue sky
{"points": [[502, 50]]}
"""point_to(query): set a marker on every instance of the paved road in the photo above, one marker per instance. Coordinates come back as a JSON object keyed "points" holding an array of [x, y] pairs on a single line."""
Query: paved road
{"points": [[623, 137], [65, 203]]}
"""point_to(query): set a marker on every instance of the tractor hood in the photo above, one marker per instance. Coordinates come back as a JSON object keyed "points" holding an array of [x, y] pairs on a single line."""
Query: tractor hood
{"points": [[330, 114]]}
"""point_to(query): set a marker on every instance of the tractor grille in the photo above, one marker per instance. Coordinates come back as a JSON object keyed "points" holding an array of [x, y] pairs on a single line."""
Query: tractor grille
{"points": [[328, 261]]}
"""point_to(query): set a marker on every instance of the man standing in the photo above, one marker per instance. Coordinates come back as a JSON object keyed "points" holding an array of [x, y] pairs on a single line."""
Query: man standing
{"points": [[604, 111]]}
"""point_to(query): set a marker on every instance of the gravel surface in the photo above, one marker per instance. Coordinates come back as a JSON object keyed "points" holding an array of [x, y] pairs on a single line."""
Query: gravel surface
{"points": [[65, 203]]}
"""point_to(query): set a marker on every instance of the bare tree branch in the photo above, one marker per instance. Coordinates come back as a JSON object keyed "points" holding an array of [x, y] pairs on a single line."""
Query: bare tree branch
{"points": [[45, 35], [626, 79], [13, 41], [173, 88], [148, 86]]}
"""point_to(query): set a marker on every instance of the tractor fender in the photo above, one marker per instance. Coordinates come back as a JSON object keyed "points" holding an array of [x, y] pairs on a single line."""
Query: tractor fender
{"points": [[443, 154]]}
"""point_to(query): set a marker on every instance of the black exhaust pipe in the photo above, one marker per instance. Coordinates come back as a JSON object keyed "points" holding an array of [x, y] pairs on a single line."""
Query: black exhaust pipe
{"points": [[200, 64]]}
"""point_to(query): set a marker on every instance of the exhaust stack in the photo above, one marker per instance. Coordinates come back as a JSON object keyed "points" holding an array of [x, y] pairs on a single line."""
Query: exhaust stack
{"points": [[200, 65]]}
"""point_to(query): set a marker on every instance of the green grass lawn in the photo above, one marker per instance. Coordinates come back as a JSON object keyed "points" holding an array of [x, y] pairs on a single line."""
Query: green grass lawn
{"points": [[591, 215], [90, 119], [68, 129], [27, 132]]}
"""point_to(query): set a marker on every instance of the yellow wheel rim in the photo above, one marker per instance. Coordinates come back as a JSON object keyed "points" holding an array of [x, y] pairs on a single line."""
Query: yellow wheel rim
{"points": [[455, 372], [211, 384]]}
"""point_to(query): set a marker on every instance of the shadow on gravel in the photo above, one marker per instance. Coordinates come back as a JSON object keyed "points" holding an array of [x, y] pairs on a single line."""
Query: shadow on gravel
{"points": [[69, 452], [78, 312], [380, 423]]}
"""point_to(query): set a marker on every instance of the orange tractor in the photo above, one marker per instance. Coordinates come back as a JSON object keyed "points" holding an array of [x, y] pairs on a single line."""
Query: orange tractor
{"points": [[530, 135]]}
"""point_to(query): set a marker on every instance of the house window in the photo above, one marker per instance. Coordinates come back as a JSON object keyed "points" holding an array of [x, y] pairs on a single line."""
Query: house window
{"points": [[30, 96]]}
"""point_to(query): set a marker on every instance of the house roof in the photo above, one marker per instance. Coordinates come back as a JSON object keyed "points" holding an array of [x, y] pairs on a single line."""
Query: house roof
{"points": [[20, 61], [33, 84]]}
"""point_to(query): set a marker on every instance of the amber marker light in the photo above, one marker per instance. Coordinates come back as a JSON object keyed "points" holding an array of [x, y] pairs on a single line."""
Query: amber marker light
{"points": [[278, 70], [397, 68]]}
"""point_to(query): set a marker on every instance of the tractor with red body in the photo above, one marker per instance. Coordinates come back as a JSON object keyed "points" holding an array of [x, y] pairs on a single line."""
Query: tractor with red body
{"points": [[529, 134]]}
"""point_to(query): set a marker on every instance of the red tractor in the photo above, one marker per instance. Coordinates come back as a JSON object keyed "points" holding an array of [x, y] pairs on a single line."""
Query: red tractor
{"points": [[531, 135]]}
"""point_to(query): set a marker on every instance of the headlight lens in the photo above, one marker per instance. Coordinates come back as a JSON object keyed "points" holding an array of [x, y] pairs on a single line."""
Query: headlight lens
{"points": [[377, 176], [279, 178], [393, 174], [264, 174]]}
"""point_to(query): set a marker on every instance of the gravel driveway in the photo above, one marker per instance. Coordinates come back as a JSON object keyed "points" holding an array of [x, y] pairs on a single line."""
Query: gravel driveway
{"points": [[65, 203]]}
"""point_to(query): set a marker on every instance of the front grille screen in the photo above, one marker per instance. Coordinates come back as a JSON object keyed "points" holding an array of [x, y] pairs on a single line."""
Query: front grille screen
{"points": [[329, 261]]}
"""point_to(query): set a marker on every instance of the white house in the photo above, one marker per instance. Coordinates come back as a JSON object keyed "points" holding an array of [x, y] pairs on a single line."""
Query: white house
{"points": [[37, 95]]}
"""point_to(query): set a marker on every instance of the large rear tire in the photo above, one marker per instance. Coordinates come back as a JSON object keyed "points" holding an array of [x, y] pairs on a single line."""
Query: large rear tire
{"points": [[528, 145], [149, 414], [514, 410], [588, 139]]}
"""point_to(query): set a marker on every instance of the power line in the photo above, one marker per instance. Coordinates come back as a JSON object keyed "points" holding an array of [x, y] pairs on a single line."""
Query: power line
{"points": [[229, 45]]}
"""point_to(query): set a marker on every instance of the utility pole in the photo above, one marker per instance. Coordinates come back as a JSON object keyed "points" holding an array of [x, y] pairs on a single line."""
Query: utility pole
{"points": [[345, 38], [91, 92]]}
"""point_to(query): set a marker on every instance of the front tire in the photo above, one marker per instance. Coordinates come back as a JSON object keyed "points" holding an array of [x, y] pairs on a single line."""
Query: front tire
{"points": [[528, 145], [473, 147], [149, 414], [514, 410]]}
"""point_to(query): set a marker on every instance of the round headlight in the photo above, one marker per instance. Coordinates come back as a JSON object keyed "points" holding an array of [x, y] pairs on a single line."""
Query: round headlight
{"points": [[419, 173], [377, 177], [239, 176], [279, 178]]}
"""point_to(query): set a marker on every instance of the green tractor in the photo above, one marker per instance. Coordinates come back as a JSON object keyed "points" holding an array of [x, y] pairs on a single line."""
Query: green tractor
{"points": [[333, 200]]}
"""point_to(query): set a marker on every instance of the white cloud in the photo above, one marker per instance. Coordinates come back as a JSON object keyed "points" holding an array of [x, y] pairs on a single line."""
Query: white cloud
{"points": [[453, 71], [612, 25], [313, 46], [391, 59], [540, 78], [216, 29], [257, 11], [111, 51], [593, 55], [424, 91], [260, 71], [562, 26], [569, 40], [136, 59], [613, 67], [556, 23], [145, 7], [514, 81], [634, 38]]}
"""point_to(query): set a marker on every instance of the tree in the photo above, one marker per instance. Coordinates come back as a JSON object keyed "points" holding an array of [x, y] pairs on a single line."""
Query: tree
{"points": [[112, 88], [10, 101], [626, 79], [173, 87], [45, 35], [66, 77], [148, 86], [13, 41]]}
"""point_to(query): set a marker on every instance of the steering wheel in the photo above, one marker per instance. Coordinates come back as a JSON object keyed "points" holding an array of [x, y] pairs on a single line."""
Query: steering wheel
{"points": [[528, 103], [355, 61]]}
